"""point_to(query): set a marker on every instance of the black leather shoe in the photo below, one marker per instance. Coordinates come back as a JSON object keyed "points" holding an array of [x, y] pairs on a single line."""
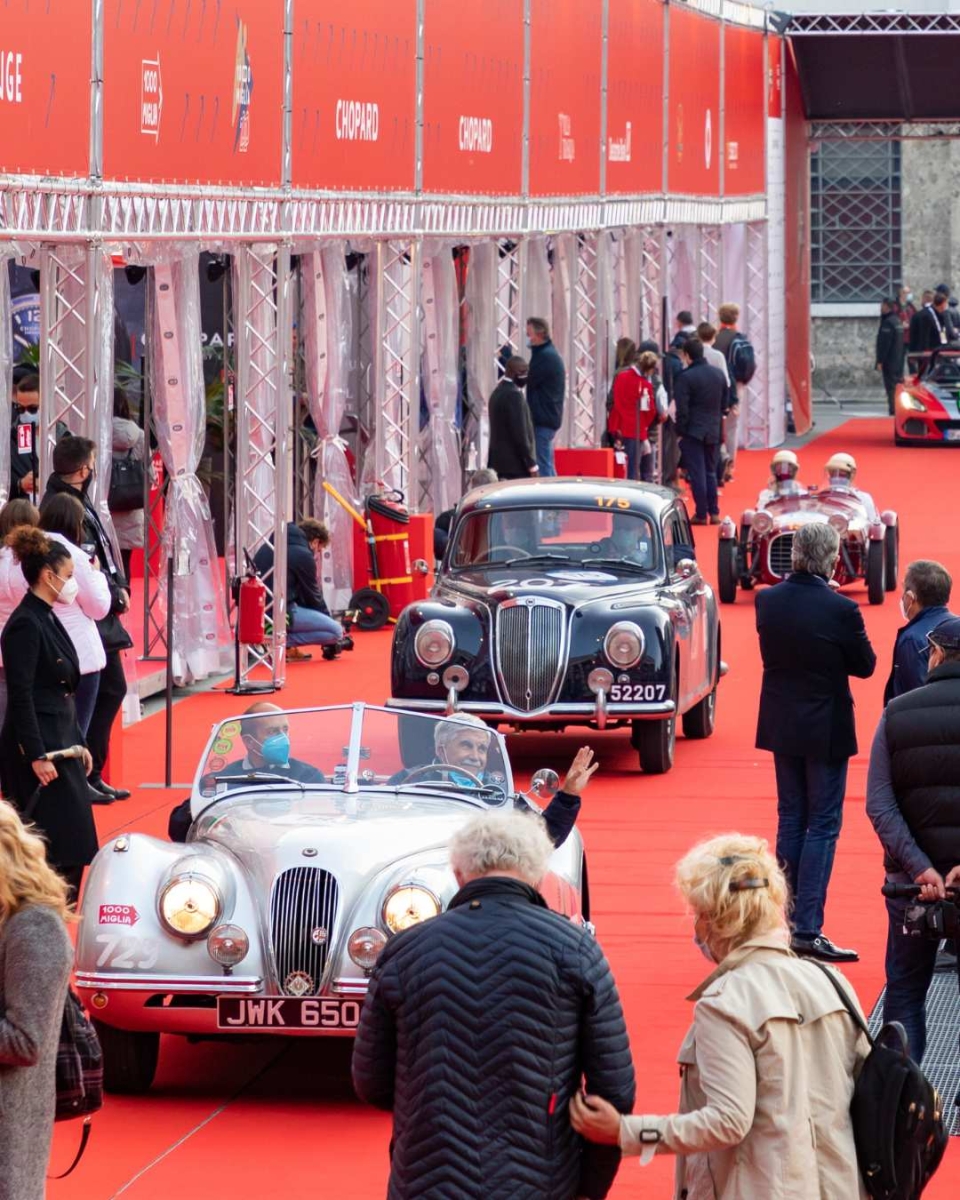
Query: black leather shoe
{"points": [[821, 947], [97, 797], [116, 793], [332, 651]]}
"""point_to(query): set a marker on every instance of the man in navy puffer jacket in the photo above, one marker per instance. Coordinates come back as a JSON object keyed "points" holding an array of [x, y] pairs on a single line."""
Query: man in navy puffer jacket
{"points": [[546, 386], [482, 1023]]}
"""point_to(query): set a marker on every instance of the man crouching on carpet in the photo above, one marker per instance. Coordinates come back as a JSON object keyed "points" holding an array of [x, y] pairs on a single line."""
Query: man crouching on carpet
{"points": [[479, 1027]]}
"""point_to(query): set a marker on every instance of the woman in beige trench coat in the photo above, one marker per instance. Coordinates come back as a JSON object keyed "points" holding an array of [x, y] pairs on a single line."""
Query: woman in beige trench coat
{"points": [[769, 1064]]}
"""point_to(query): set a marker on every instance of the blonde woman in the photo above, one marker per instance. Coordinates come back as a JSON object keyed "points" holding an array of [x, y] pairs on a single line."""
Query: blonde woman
{"points": [[35, 956], [769, 1064]]}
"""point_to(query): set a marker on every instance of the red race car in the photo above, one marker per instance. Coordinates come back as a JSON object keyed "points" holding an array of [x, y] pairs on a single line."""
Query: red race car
{"points": [[760, 551], [927, 407]]}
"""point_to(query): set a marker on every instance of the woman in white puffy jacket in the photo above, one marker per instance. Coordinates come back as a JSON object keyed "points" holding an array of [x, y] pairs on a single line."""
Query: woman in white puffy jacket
{"points": [[13, 586], [62, 518]]}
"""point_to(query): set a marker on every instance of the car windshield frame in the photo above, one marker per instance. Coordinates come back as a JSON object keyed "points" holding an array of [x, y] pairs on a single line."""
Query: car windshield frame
{"points": [[355, 777], [549, 556], [942, 360]]}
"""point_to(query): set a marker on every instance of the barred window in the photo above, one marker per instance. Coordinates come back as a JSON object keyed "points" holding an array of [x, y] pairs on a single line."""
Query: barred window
{"points": [[855, 244]]}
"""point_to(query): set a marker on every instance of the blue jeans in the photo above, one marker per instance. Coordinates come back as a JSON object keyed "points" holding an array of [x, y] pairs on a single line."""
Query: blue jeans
{"points": [[700, 463], [810, 812], [308, 627], [86, 699], [544, 440], [909, 969]]}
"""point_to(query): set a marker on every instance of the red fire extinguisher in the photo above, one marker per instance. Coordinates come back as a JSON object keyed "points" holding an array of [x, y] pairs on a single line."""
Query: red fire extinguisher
{"points": [[252, 611]]}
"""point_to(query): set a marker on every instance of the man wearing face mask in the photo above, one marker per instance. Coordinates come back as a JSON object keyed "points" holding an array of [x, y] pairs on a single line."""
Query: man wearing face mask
{"points": [[24, 435], [923, 605], [74, 470], [913, 801], [513, 452]]}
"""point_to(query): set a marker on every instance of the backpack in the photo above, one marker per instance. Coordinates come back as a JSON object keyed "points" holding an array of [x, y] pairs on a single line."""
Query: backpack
{"points": [[896, 1112], [127, 480], [79, 1072], [741, 359]]}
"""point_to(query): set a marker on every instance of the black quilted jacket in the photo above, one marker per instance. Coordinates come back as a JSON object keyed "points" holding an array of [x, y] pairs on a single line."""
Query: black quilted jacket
{"points": [[478, 1028]]}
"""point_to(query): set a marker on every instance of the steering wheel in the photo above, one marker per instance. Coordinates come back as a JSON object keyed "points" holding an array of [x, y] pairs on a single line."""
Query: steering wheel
{"points": [[508, 546], [446, 768]]}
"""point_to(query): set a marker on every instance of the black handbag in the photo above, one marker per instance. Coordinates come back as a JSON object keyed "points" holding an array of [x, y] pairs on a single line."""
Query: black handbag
{"points": [[79, 1073], [127, 481]]}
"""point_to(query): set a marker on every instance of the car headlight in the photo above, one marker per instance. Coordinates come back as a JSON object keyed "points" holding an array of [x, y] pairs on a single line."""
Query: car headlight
{"points": [[228, 945], [189, 905], [365, 945], [434, 643], [408, 904], [839, 523], [909, 401], [762, 522], [623, 644]]}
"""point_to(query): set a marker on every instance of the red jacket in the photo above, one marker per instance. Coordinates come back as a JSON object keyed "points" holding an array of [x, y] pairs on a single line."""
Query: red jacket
{"points": [[634, 406]]}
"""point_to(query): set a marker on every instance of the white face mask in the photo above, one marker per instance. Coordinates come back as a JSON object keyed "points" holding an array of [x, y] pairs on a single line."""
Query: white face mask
{"points": [[69, 589], [903, 609]]}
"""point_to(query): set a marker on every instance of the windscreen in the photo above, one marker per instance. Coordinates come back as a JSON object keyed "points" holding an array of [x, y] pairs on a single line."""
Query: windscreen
{"points": [[946, 369], [579, 537], [380, 747]]}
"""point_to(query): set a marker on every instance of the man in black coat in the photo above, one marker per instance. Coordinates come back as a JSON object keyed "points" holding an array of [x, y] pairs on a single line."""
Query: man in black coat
{"points": [[513, 450], [913, 801], [701, 394], [812, 640], [74, 465], [926, 327], [481, 1024], [890, 350], [546, 387]]}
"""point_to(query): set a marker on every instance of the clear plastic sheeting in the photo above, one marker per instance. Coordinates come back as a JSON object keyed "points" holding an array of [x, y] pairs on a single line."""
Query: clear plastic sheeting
{"points": [[482, 348], [328, 338], [6, 378], [562, 280], [683, 246], [440, 331], [536, 285], [201, 634], [99, 422]]}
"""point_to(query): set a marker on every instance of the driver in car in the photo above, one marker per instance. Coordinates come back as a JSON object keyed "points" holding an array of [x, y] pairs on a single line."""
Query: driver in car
{"points": [[464, 741], [784, 468], [266, 740], [629, 541], [841, 471]]}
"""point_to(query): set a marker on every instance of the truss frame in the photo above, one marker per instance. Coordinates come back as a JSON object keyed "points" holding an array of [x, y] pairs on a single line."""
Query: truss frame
{"points": [[397, 365], [755, 407]]}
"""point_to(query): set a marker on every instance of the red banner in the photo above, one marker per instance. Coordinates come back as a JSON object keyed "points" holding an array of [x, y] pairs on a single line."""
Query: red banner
{"points": [[354, 95], [45, 88], [193, 94], [693, 168], [744, 116], [634, 149], [565, 93], [797, 238], [473, 97]]}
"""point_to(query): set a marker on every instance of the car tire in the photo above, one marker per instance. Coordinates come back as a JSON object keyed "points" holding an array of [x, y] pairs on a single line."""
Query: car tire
{"points": [[891, 565], [701, 720], [129, 1059], [875, 573], [655, 741], [373, 609], [727, 570]]}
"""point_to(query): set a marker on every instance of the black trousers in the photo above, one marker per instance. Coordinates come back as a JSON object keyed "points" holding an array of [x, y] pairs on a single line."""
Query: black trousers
{"points": [[113, 688], [890, 381]]}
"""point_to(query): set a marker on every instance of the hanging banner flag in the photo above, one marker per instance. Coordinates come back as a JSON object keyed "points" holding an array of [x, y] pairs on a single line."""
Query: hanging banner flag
{"points": [[694, 64], [473, 97], [565, 96], [354, 95], [634, 149], [193, 94], [45, 88], [744, 90]]}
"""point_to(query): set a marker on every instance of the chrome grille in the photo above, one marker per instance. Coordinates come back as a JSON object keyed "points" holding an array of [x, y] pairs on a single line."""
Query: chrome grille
{"points": [[530, 646], [304, 902], [781, 554]]}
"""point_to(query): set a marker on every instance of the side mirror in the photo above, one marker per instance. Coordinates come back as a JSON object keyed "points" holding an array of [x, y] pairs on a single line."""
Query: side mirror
{"points": [[686, 568], [545, 784]]}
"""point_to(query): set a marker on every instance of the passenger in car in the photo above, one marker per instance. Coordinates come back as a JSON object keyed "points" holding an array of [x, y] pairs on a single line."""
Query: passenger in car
{"points": [[629, 540]]}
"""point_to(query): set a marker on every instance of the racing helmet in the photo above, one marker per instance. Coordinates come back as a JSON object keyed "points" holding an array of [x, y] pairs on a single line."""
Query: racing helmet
{"points": [[841, 468], [784, 466]]}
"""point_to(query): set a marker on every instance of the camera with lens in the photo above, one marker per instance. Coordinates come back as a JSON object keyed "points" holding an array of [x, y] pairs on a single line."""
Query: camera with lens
{"points": [[938, 920]]}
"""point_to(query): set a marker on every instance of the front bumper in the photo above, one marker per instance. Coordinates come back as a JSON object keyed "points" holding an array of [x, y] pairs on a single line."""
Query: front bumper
{"points": [[573, 713]]}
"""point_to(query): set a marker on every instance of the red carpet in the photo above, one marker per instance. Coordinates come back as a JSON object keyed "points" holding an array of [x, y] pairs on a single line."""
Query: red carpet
{"points": [[277, 1120]]}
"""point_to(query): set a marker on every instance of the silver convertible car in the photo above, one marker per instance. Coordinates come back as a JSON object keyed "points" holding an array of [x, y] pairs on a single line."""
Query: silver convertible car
{"points": [[316, 835]]}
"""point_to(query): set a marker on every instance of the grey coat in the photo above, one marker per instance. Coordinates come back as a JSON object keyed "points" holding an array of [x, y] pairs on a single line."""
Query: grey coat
{"points": [[35, 958]]}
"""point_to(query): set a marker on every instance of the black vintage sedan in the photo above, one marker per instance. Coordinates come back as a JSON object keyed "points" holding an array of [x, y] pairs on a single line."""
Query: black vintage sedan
{"points": [[567, 602]]}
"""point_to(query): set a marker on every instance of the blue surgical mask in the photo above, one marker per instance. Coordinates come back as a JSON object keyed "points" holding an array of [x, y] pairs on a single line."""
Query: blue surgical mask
{"points": [[458, 779], [276, 750], [704, 950], [530, 343], [29, 416]]}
